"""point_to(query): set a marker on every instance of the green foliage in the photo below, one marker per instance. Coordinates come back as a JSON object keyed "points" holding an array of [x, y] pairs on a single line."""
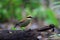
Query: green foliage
{"points": [[35, 3], [12, 8], [13, 28], [9, 9], [4, 2], [22, 28], [17, 2], [18, 14]]}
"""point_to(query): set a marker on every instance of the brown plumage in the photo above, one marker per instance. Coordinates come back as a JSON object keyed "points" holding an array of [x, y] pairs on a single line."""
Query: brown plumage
{"points": [[24, 22]]}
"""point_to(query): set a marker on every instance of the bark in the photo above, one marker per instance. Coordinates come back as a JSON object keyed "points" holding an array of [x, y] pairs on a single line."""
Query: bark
{"points": [[16, 35]]}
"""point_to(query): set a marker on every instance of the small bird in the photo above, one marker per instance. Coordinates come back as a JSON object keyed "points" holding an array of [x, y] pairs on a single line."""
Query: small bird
{"points": [[28, 23], [24, 22]]}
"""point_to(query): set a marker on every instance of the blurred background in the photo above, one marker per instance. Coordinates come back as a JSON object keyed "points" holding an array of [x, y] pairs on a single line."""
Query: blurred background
{"points": [[13, 11]]}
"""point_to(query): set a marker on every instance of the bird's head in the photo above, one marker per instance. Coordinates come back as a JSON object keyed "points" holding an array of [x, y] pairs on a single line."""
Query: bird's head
{"points": [[33, 18]]}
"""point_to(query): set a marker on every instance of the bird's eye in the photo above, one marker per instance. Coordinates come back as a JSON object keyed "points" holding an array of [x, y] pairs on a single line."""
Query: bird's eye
{"points": [[29, 17]]}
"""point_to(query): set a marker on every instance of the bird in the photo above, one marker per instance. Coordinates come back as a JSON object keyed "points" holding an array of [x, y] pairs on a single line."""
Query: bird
{"points": [[28, 23], [24, 22]]}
